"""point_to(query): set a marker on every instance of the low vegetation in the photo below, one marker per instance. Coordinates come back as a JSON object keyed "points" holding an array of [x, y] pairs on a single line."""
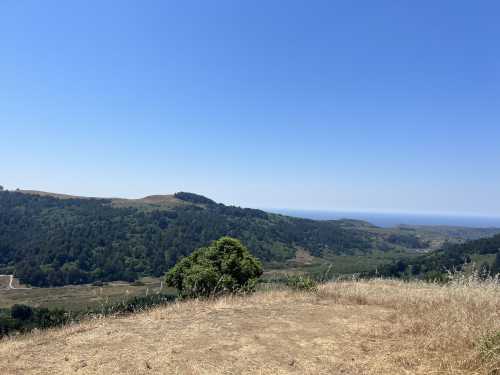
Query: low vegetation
{"points": [[352, 327], [23, 318], [301, 282], [452, 257]]}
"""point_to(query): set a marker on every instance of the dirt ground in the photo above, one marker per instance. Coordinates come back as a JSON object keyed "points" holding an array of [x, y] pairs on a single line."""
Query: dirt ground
{"points": [[274, 332]]}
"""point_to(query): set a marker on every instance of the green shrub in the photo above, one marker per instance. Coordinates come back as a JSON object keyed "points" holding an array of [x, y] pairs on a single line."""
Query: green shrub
{"points": [[7, 325], [301, 282], [45, 318], [226, 266], [21, 312], [436, 277]]}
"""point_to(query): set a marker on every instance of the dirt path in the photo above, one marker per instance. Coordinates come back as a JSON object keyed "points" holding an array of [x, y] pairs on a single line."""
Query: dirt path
{"points": [[11, 279], [276, 333]]}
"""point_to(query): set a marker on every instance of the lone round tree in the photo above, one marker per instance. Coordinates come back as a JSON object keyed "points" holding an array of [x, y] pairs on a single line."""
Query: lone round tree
{"points": [[226, 266]]}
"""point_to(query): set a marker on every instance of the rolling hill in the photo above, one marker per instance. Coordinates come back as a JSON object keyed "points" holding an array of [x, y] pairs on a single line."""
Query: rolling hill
{"points": [[49, 239]]}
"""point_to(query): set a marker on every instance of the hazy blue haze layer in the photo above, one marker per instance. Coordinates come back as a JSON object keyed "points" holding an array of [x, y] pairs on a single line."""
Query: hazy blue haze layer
{"points": [[393, 219]]}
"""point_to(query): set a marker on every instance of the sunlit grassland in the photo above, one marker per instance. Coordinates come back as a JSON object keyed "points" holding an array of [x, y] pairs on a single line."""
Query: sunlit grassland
{"points": [[81, 297]]}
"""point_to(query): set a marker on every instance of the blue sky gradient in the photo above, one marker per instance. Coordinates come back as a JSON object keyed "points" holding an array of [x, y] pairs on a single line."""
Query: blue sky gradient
{"points": [[364, 106]]}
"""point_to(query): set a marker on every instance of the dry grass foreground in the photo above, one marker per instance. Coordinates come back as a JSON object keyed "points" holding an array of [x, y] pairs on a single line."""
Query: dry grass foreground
{"points": [[366, 327]]}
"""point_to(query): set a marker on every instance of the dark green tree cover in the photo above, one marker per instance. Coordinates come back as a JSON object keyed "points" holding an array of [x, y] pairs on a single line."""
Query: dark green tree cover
{"points": [[225, 266], [193, 198], [495, 269], [409, 241], [434, 265], [46, 241], [21, 312]]}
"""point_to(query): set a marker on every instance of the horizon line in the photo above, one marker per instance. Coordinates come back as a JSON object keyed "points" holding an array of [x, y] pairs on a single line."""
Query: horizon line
{"points": [[318, 210], [387, 212]]}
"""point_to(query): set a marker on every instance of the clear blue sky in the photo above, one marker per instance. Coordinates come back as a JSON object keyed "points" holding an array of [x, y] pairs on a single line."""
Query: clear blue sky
{"points": [[346, 105]]}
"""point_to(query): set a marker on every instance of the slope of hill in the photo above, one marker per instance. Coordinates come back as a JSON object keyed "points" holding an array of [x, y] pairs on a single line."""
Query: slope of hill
{"points": [[48, 239], [449, 257], [377, 327], [149, 202]]}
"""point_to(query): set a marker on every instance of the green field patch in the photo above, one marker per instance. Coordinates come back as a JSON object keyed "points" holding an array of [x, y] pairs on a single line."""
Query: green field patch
{"points": [[82, 297]]}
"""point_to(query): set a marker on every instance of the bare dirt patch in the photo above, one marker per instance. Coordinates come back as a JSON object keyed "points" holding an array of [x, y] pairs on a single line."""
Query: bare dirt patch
{"points": [[302, 257]]}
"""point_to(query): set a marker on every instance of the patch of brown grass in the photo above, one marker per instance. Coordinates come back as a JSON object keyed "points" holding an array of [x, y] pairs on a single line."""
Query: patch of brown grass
{"points": [[352, 327], [447, 325]]}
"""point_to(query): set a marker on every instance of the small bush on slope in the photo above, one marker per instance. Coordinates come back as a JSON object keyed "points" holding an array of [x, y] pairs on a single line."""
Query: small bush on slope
{"points": [[303, 283], [21, 312], [226, 266]]}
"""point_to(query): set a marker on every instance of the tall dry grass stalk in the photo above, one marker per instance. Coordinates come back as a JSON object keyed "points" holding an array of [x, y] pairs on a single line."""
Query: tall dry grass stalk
{"points": [[460, 320]]}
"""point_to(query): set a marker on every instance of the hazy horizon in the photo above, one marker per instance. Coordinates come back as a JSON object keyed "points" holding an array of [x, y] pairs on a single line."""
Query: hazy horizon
{"points": [[392, 106], [392, 219], [377, 217]]}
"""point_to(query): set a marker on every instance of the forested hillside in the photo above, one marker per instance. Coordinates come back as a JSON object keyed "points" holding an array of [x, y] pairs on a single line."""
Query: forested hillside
{"points": [[49, 241], [451, 257]]}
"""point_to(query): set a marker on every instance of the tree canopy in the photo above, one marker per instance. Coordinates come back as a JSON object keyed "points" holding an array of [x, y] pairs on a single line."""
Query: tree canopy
{"points": [[226, 266]]}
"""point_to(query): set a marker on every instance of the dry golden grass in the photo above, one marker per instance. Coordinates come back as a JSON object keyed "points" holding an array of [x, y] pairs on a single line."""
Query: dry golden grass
{"points": [[365, 327]]}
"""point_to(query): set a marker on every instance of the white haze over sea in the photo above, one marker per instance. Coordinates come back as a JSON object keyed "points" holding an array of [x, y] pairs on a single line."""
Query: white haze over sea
{"points": [[393, 219]]}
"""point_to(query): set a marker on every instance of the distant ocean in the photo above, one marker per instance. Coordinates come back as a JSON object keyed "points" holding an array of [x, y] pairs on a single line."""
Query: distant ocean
{"points": [[393, 219]]}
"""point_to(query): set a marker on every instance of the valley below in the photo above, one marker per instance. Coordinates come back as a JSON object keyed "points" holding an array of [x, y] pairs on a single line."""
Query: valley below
{"points": [[76, 298]]}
